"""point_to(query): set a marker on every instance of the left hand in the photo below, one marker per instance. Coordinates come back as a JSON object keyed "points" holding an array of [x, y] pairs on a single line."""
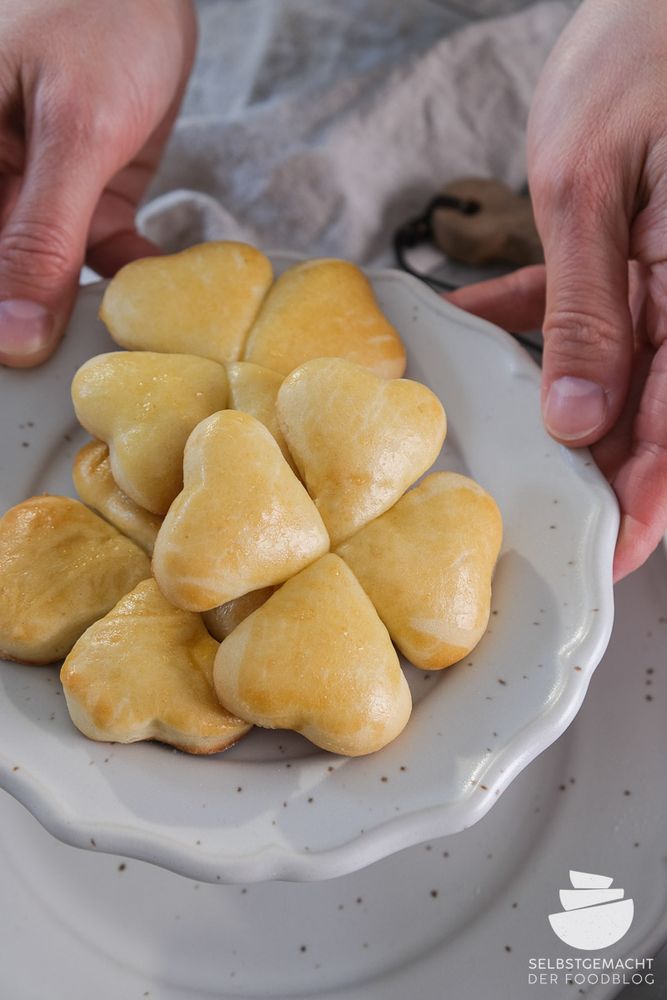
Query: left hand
{"points": [[88, 95], [597, 167]]}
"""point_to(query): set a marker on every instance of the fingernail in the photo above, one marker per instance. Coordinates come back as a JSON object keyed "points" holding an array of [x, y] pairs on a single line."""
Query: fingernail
{"points": [[25, 328], [574, 408]]}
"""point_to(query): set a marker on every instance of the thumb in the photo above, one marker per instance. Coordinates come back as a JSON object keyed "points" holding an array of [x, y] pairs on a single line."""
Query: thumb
{"points": [[588, 337], [42, 248]]}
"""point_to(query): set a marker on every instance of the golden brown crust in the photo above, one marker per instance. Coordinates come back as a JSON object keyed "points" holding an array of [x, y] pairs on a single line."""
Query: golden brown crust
{"points": [[427, 565], [242, 522], [359, 441], [28, 663], [201, 752], [316, 658], [324, 308], [222, 621], [63, 568], [254, 390], [201, 301], [144, 405], [145, 671], [94, 482]]}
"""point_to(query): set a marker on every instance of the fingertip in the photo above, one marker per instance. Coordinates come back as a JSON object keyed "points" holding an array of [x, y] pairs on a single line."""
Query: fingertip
{"points": [[636, 542], [514, 301], [633, 547], [29, 333], [29, 360], [575, 410]]}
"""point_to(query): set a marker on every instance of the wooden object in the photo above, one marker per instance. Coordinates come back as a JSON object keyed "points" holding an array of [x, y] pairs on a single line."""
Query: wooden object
{"points": [[501, 231]]}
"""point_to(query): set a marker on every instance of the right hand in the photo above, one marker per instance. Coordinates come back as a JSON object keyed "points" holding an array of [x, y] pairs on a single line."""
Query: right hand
{"points": [[88, 95], [597, 166]]}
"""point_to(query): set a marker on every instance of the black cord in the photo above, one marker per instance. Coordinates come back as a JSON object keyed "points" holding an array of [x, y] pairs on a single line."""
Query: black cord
{"points": [[420, 230]]}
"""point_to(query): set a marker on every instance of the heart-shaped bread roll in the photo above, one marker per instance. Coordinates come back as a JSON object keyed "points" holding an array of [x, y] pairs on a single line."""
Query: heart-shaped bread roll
{"points": [[358, 440], [254, 390], [427, 566], [242, 522], [145, 672], [63, 567], [94, 482], [200, 301], [324, 309], [144, 406], [316, 658], [222, 621]]}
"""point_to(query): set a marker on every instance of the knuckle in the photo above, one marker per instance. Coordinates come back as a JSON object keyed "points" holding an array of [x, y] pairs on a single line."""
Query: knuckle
{"points": [[37, 251], [569, 336], [61, 109], [573, 184], [72, 120], [72, 127]]}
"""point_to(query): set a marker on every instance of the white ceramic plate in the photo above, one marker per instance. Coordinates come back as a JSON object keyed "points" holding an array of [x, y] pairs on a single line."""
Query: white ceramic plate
{"points": [[274, 807], [453, 919]]}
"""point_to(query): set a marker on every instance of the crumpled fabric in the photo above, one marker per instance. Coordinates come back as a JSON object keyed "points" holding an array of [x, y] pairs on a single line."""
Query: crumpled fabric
{"points": [[319, 127]]}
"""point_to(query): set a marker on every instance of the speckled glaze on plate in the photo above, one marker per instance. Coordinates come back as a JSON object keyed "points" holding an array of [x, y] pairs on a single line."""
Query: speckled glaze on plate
{"points": [[452, 919], [274, 807]]}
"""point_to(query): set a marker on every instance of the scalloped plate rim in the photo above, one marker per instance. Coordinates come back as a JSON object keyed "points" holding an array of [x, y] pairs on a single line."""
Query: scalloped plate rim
{"points": [[276, 862]]}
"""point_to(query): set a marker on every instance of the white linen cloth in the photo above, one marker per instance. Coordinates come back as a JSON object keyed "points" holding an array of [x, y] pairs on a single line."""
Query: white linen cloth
{"points": [[320, 125]]}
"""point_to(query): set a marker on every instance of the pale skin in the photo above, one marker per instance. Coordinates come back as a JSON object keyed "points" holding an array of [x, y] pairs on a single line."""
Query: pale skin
{"points": [[88, 95], [597, 168]]}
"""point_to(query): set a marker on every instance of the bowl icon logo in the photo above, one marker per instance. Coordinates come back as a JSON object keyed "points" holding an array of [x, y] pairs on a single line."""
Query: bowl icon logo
{"points": [[594, 915]]}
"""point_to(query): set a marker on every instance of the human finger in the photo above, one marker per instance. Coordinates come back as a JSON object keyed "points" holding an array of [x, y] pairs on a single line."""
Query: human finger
{"points": [[588, 337], [43, 239], [641, 483], [514, 302]]}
